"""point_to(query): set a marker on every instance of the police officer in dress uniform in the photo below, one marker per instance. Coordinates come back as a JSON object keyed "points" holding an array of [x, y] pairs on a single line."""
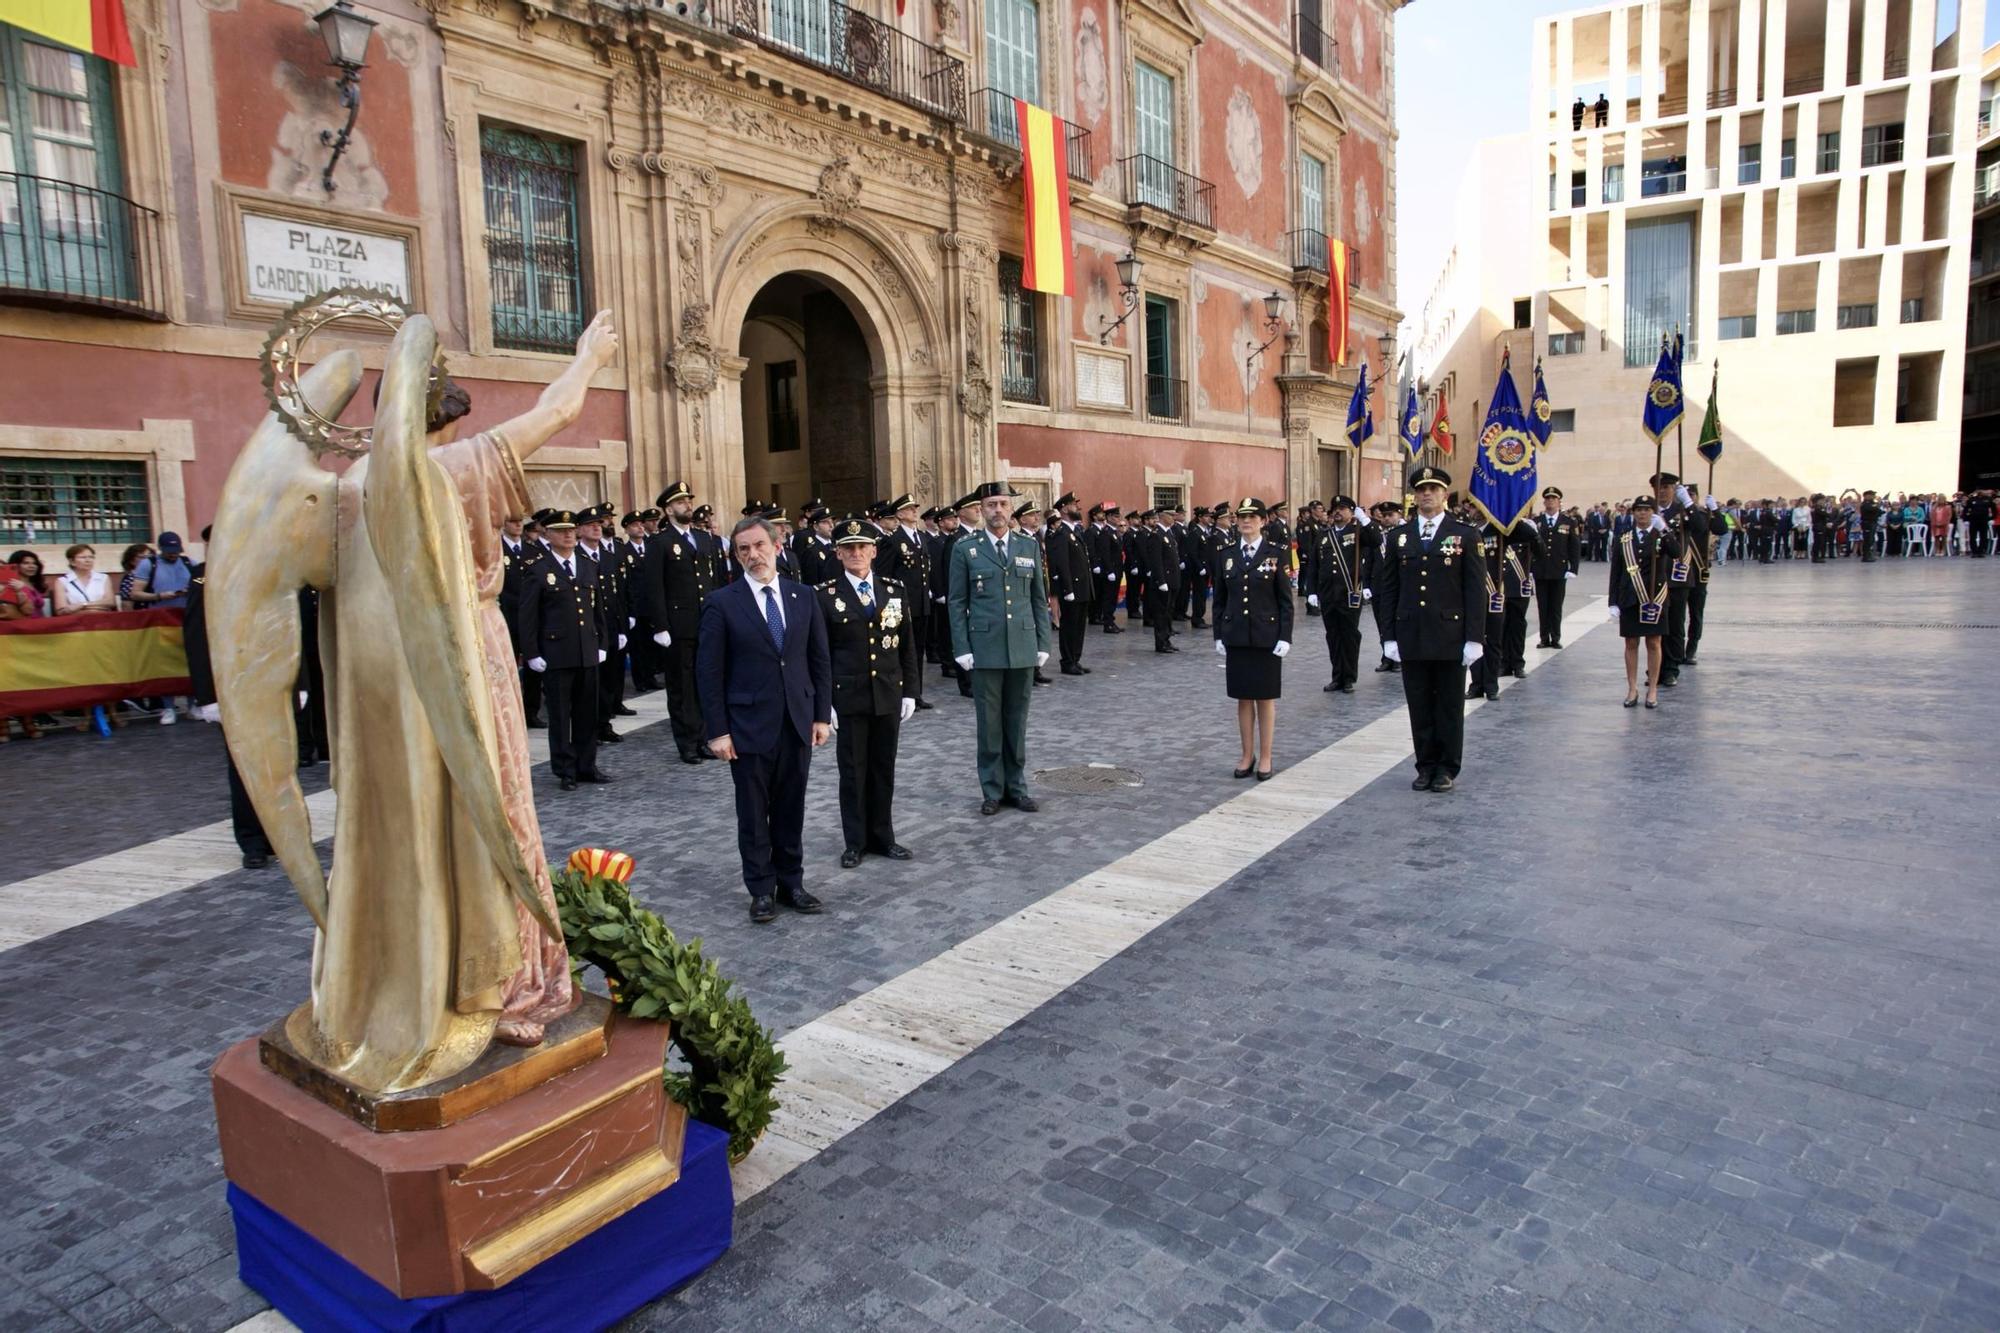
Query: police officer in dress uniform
{"points": [[609, 573], [905, 556], [1520, 551], [999, 635], [1157, 555], [1106, 559], [1434, 581], [1071, 584], [682, 567], [645, 654], [967, 509], [1028, 521], [1200, 555], [561, 632], [1253, 633], [519, 546], [1342, 564], [1388, 517], [818, 561], [1484, 675], [1556, 564], [1690, 526], [876, 662]]}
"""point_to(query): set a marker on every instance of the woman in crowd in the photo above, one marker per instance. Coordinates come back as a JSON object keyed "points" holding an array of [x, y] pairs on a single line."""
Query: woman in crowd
{"points": [[129, 562], [1642, 563], [1253, 632], [1942, 514], [84, 588], [30, 596]]}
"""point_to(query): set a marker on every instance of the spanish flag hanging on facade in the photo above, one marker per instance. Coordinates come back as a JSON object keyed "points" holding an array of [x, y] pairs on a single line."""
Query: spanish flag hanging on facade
{"points": [[95, 27], [1046, 264], [1336, 303]]}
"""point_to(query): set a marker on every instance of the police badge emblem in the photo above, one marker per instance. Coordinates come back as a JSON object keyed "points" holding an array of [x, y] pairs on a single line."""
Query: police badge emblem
{"points": [[1496, 605], [1353, 601], [1680, 572]]}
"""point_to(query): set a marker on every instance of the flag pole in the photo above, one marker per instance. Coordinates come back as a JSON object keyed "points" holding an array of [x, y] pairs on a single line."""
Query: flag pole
{"points": [[1680, 422]]}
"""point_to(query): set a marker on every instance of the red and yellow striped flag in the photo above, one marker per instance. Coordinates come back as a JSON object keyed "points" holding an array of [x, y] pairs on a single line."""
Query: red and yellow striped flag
{"points": [[1046, 265], [96, 27], [1336, 305]]}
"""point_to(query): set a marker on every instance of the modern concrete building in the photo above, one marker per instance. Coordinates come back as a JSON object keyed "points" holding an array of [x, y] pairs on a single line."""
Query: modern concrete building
{"points": [[805, 215], [1980, 459], [1790, 183]]}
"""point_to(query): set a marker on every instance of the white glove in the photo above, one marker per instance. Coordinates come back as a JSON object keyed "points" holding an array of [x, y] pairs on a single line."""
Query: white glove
{"points": [[964, 663], [1392, 652], [1161, 586], [621, 641], [833, 718], [630, 623], [1221, 648], [1614, 613], [1069, 597], [664, 639], [1473, 652], [1280, 648], [909, 710], [538, 664], [208, 712], [1041, 660], [1681, 496], [601, 655], [303, 696], [1312, 599], [1367, 594], [1568, 575], [1097, 569], [938, 600]]}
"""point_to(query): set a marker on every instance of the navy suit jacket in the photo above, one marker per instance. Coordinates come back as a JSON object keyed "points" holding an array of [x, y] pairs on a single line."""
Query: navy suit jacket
{"points": [[750, 693]]}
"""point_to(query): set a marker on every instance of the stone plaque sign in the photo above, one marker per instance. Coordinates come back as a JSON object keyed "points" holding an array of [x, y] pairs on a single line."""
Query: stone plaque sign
{"points": [[286, 259]]}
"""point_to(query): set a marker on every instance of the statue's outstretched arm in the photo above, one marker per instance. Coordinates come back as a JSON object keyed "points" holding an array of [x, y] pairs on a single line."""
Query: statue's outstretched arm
{"points": [[562, 402], [274, 533], [408, 497]]}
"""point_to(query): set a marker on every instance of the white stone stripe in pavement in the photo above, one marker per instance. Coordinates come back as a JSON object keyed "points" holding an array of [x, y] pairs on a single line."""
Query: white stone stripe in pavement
{"points": [[855, 1061], [32, 909]]}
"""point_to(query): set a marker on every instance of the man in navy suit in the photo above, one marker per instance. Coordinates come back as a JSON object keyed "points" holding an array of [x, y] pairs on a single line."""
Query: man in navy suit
{"points": [[765, 680]]}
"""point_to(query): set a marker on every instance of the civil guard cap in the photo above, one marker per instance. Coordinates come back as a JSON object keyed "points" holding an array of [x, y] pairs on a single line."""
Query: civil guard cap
{"points": [[852, 531], [994, 490], [1066, 498], [675, 491], [1430, 475]]}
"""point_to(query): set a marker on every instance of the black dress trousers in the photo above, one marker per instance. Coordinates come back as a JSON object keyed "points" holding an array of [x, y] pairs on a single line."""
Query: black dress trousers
{"points": [[1549, 608], [1435, 692], [865, 747], [571, 693], [771, 816], [1343, 636]]}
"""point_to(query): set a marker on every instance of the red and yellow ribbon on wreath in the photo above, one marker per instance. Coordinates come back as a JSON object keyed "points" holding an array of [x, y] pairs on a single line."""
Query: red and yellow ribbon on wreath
{"points": [[597, 863]]}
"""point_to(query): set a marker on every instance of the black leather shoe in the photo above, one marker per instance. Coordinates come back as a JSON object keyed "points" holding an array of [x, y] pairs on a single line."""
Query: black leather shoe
{"points": [[1073, 671], [1690, 661], [704, 751], [1328, 688], [1542, 643], [1266, 774], [536, 724], [1166, 648], [256, 860], [801, 902], [964, 685], [622, 711], [598, 776], [1197, 624], [1556, 646], [989, 807], [1040, 679], [1347, 687], [1422, 782], [762, 909], [1442, 782], [896, 851], [1082, 669], [567, 784], [1242, 772], [1668, 681], [690, 756], [1475, 693], [1113, 629], [850, 858], [1384, 665], [1025, 804], [925, 705], [608, 737], [1493, 693]]}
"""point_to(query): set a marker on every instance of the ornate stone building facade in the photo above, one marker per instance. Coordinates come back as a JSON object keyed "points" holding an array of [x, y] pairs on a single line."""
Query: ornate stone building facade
{"points": [[807, 219]]}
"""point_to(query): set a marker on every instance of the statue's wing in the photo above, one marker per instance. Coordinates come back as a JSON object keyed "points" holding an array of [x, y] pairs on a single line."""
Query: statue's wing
{"points": [[273, 534], [407, 493]]}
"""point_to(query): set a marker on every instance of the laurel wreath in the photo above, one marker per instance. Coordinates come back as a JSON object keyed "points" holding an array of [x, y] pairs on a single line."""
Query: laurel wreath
{"points": [[732, 1065]]}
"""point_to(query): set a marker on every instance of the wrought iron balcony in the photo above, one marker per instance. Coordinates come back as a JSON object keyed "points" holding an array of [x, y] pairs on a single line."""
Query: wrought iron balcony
{"points": [[1316, 44], [1166, 398], [994, 118], [1311, 255], [1151, 183], [65, 246], [856, 47]]}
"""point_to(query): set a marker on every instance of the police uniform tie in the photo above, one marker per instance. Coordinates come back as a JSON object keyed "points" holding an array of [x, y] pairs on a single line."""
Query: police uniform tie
{"points": [[1429, 530], [773, 617], [568, 571], [867, 598]]}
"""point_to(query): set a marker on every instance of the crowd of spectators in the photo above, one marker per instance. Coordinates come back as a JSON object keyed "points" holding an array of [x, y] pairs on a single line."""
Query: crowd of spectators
{"points": [[1823, 528], [152, 576]]}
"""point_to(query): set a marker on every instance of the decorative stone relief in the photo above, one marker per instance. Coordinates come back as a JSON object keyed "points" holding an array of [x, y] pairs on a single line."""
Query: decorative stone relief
{"points": [[691, 182], [885, 272], [1093, 83], [617, 158], [838, 191], [946, 14], [449, 128], [401, 43], [975, 392], [693, 361], [1243, 138]]}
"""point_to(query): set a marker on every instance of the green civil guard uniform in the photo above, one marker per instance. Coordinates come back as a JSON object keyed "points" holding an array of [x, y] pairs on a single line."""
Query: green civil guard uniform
{"points": [[999, 612]]}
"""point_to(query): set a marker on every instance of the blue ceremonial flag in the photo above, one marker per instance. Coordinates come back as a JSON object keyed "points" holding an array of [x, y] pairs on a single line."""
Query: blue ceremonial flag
{"points": [[1360, 421], [1503, 471], [1412, 426], [1663, 395], [1541, 414]]}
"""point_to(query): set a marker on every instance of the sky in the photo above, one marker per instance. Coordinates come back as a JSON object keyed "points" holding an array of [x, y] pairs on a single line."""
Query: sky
{"points": [[1462, 76]]}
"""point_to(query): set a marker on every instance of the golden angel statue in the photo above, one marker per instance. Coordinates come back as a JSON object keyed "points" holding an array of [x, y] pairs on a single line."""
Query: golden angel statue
{"points": [[437, 927]]}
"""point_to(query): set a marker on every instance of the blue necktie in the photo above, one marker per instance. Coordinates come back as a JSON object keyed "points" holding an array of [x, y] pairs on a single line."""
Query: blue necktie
{"points": [[866, 598], [773, 619]]}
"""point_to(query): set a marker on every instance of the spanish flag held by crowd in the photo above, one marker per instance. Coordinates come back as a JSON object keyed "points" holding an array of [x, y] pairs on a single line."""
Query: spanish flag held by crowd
{"points": [[95, 27]]}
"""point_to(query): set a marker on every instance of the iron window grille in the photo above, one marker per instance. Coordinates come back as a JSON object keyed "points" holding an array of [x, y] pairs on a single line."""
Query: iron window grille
{"points": [[48, 503], [1020, 337], [534, 253]]}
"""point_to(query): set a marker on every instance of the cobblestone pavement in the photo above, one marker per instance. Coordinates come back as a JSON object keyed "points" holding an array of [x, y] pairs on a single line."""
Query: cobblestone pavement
{"points": [[1527, 1056]]}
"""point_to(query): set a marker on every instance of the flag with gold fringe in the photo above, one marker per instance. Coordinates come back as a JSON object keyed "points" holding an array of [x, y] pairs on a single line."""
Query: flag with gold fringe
{"points": [[1503, 471], [1046, 263]]}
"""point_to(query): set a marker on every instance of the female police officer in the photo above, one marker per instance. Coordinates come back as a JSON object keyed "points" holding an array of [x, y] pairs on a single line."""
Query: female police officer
{"points": [[1253, 631]]}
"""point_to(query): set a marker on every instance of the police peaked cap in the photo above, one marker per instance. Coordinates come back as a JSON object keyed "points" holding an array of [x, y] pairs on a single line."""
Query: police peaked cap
{"points": [[1663, 479], [676, 491], [851, 531], [1552, 493], [1430, 475], [1341, 502], [1066, 498]]}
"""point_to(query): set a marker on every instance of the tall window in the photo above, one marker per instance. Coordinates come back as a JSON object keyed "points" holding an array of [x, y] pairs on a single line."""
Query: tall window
{"points": [[1165, 392], [1312, 211], [1020, 337], [1749, 163], [1829, 151], [1788, 159], [781, 406], [1153, 114], [1881, 143], [1013, 62], [46, 503], [58, 163], [533, 251], [1614, 182], [1659, 287], [806, 26]]}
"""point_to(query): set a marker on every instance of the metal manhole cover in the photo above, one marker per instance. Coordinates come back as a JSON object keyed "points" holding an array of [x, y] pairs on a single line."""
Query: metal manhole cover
{"points": [[1084, 779]]}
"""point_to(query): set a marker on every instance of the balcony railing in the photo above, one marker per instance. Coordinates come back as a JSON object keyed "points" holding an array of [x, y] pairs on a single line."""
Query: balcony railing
{"points": [[1881, 151], [1166, 398], [1316, 44], [1310, 252], [1156, 184], [1940, 143], [68, 245], [861, 49], [1721, 97], [994, 118]]}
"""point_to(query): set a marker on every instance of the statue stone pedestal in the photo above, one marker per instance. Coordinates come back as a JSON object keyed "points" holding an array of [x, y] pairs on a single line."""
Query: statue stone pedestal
{"points": [[534, 1150]]}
